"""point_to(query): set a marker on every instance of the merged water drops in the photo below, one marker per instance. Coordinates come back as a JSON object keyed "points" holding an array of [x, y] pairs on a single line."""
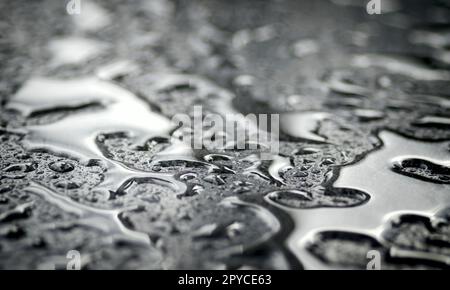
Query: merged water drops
{"points": [[333, 197], [61, 166]]}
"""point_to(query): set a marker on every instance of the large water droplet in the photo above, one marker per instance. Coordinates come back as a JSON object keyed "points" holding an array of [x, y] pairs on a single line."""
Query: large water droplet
{"points": [[61, 166]]}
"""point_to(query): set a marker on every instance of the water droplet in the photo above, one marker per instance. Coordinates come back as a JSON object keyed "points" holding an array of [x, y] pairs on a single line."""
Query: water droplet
{"points": [[244, 81], [268, 218], [66, 184], [61, 166], [191, 190], [216, 157], [290, 198], [214, 179], [188, 176]]}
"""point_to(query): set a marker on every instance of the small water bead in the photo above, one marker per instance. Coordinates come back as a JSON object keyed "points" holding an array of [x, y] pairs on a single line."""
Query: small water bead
{"points": [[242, 189], [307, 151], [301, 174], [369, 115], [65, 184], [121, 111], [344, 249], [216, 157], [61, 166], [348, 82], [204, 231], [384, 81], [116, 70], [272, 223], [406, 66], [192, 190], [156, 168], [38, 242], [240, 186], [234, 229], [328, 161], [23, 156], [188, 176], [407, 194], [244, 81], [303, 125], [290, 198]]}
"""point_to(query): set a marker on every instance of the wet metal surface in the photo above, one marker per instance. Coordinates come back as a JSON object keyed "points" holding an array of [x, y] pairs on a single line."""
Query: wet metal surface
{"points": [[91, 157]]}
